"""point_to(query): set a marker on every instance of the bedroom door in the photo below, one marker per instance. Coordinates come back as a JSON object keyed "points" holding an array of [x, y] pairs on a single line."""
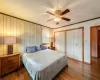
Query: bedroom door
{"points": [[98, 44], [60, 41]]}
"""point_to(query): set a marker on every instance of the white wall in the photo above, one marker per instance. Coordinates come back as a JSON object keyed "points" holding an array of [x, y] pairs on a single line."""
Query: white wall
{"points": [[86, 26]]}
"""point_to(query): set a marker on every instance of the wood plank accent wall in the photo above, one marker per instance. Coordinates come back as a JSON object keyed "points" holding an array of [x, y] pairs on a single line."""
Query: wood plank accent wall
{"points": [[28, 34]]}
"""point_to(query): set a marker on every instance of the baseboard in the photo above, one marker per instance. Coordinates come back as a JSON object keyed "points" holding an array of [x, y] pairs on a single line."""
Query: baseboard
{"points": [[87, 63], [79, 61]]}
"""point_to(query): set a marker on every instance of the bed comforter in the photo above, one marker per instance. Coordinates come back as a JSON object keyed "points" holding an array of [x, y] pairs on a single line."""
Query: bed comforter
{"points": [[44, 64]]}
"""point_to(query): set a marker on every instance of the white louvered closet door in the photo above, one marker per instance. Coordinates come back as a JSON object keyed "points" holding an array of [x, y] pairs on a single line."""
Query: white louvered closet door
{"points": [[69, 43], [78, 44], [60, 41]]}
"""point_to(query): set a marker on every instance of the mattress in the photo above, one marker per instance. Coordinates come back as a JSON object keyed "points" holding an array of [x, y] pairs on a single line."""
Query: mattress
{"points": [[44, 64]]}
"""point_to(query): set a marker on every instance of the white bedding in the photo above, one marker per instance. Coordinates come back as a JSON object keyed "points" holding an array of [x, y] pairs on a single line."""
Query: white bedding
{"points": [[40, 60]]}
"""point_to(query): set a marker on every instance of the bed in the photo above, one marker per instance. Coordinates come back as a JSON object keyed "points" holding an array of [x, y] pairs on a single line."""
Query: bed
{"points": [[44, 64]]}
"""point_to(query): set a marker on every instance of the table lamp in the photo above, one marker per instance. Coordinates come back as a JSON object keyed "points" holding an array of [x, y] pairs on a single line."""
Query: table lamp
{"points": [[10, 40]]}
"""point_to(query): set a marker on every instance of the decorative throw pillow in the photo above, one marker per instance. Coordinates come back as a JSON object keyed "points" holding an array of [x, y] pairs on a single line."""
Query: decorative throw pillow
{"points": [[43, 47], [38, 48], [31, 49]]}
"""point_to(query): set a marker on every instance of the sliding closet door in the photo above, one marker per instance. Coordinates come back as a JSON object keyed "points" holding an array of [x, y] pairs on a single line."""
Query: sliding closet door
{"points": [[74, 44], [60, 41], [69, 44], [77, 44]]}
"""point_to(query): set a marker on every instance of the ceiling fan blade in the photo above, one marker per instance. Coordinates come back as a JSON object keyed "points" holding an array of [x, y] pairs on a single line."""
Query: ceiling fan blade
{"points": [[66, 19], [49, 20], [64, 12], [50, 13]]}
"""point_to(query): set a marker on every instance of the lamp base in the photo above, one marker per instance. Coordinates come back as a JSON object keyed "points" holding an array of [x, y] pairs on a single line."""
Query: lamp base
{"points": [[10, 49], [51, 44]]}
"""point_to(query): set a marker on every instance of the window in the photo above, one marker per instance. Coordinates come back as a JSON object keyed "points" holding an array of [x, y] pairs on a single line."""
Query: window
{"points": [[45, 35]]}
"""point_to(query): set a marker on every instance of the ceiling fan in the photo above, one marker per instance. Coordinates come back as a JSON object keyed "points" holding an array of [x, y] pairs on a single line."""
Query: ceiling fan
{"points": [[58, 15]]}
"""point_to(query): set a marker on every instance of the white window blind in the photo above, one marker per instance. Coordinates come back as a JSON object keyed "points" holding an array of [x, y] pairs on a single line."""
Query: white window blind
{"points": [[45, 35]]}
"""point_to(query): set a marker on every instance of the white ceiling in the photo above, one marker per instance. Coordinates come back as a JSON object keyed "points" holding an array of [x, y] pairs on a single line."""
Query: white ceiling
{"points": [[35, 10]]}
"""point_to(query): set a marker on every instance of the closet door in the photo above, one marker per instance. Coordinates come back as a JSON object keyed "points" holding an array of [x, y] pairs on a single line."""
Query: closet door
{"points": [[77, 44], [60, 41], [69, 43], [74, 44]]}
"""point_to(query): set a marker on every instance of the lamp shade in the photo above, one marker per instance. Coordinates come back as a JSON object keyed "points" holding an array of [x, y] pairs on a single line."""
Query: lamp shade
{"points": [[9, 40]]}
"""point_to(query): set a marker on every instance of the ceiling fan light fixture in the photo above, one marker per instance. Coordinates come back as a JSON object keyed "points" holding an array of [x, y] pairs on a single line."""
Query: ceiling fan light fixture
{"points": [[57, 19]]}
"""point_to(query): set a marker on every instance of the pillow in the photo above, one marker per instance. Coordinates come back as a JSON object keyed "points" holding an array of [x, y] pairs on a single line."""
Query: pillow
{"points": [[31, 49], [38, 48], [43, 47]]}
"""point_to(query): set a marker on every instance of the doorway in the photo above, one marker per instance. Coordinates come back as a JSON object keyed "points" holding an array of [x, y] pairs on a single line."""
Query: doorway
{"points": [[95, 42], [98, 33]]}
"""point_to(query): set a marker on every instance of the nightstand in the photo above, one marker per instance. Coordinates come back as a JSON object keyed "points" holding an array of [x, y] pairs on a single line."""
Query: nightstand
{"points": [[9, 63], [52, 48]]}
